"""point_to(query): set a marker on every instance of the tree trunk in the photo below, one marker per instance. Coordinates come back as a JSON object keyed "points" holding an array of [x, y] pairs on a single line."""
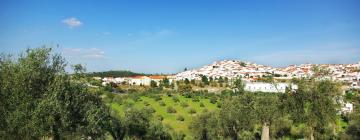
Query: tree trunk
{"points": [[265, 133], [311, 136]]}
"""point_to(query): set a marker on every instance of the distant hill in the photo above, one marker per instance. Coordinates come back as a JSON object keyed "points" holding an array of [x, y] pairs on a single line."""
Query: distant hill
{"points": [[114, 73]]}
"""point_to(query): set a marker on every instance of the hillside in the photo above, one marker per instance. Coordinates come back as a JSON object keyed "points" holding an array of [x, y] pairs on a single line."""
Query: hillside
{"points": [[225, 68], [114, 73]]}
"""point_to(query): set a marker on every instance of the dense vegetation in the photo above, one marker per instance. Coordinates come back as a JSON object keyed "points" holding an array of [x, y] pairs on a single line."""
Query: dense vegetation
{"points": [[114, 73], [39, 100]]}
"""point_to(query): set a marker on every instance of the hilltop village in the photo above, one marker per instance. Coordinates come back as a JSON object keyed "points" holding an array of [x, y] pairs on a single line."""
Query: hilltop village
{"points": [[255, 75]]}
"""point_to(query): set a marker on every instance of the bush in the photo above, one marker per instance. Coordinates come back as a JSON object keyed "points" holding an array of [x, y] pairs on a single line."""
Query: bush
{"points": [[213, 100], [179, 135], [118, 99], [196, 99], [159, 117], [202, 104], [192, 111], [175, 99], [184, 104], [170, 109], [180, 118], [146, 103], [219, 105], [155, 97], [162, 103], [150, 109]]}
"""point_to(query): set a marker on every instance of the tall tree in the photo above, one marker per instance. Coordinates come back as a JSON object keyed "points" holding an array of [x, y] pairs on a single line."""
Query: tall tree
{"points": [[205, 80], [313, 103], [41, 99], [266, 111], [239, 86], [237, 115]]}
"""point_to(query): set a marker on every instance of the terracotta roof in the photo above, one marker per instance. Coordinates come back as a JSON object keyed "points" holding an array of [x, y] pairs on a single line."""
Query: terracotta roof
{"points": [[137, 77], [157, 77]]}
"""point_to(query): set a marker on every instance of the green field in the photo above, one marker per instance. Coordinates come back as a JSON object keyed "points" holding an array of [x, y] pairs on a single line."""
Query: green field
{"points": [[170, 119]]}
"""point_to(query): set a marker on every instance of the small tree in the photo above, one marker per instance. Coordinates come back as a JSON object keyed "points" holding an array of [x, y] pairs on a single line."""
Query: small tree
{"points": [[187, 81], [165, 82], [239, 86], [205, 80], [182, 88], [153, 84]]}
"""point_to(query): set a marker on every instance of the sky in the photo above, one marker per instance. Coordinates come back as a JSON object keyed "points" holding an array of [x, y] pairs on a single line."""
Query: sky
{"points": [[166, 36]]}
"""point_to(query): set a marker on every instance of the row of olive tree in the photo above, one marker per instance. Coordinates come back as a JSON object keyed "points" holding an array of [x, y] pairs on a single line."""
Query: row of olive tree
{"points": [[314, 104]]}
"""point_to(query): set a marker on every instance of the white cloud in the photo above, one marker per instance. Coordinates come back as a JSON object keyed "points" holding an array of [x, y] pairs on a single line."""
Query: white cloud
{"points": [[85, 53], [72, 22]]}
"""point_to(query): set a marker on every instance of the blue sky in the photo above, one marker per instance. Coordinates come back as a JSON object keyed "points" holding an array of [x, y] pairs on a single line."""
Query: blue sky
{"points": [[154, 36]]}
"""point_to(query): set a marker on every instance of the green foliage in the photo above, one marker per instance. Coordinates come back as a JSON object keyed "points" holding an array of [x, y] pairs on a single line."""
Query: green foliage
{"points": [[162, 103], [206, 127], [204, 80], [192, 111], [157, 131], [213, 99], [202, 104], [170, 109], [38, 99], [120, 73], [313, 104], [239, 86], [237, 114], [180, 118], [353, 131], [193, 82], [183, 88], [187, 81], [184, 104], [175, 99], [165, 83], [153, 84]]}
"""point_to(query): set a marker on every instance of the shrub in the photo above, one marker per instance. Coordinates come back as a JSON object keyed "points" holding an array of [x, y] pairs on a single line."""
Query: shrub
{"points": [[150, 109], [202, 104], [192, 111], [195, 99], [159, 117], [180, 118], [213, 100], [170, 109], [179, 135], [175, 99], [184, 104], [146, 103], [219, 105], [155, 97], [118, 99], [162, 103]]}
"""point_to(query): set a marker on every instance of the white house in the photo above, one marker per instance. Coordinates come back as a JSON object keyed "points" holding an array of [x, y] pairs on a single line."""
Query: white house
{"points": [[267, 87], [139, 80], [347, 107]]}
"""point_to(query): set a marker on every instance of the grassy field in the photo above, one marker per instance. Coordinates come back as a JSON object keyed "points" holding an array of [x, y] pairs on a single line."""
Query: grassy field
{"points": [[171, 119]]}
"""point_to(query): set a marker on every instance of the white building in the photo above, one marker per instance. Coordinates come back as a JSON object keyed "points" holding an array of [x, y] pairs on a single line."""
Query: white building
{"points": [[347, 108], [267, 87]]}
